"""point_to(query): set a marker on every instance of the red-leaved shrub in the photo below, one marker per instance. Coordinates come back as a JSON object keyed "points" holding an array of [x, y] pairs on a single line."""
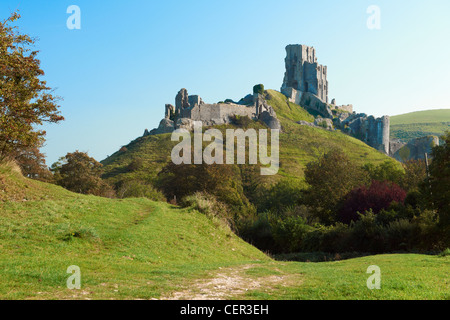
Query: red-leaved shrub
{"points": [[377, 197]]}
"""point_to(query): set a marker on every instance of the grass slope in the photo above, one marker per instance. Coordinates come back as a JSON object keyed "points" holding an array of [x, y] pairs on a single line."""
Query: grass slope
{"points": [[125, 248], [299, 145], [140, 249], [421, 123]]}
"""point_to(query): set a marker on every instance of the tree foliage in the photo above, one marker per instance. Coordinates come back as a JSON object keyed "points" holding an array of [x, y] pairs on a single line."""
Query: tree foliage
{"points": [[25, 100], [439, 181], [380, 195], [80, 173], [222, 181], [331, 177], [386, 171], [32, 163], [259, 88]]}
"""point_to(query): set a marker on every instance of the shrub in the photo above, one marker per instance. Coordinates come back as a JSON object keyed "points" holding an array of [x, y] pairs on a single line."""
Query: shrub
{"points": [[367, 235], [336, 238], [445, 253], [138, 189], [241, 121], [259, 88], [289, 233], [259, 232], [380, 195], [282, 195], [222, 181], [135, 165], [210, 206], [402, 235]]}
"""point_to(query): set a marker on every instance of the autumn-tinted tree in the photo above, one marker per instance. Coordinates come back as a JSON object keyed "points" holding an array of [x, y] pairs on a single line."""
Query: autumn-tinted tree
{"points": [[380, 195], [25, 100], [80, 173], [331, 177], [32, 163]]}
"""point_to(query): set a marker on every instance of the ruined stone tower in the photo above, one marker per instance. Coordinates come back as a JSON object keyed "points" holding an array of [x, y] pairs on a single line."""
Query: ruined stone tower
{"points": [[303, 73]]}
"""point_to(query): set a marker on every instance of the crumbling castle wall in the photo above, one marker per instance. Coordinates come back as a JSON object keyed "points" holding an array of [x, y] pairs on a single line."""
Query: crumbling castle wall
{"points": [[192, 108], [414, 149]]}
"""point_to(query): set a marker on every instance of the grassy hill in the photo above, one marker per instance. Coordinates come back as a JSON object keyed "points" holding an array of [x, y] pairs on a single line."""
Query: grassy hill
{"points": [[421, 123], [140, 249], [299, 145]]}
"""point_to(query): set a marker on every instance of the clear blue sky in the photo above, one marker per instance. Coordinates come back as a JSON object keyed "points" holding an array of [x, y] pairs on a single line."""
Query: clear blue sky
{"points": [[131, 57]]}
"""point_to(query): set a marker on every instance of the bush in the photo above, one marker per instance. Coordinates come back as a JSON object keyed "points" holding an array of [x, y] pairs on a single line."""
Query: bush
{"points": [[210, 206], [241, 121], [380, 195], [402, 235], [259, 88], [135, 165], [259, 232], [222, 181], [138, 189], [289, 233], [445, 253], [367, 235], [280, 196]]}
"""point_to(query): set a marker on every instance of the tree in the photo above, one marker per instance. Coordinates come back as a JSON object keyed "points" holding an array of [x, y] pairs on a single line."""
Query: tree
{"points": [[380, 195], [32, 163], [80, 173], [331, 177], [439, 182], [25, 100], [222, 181], [259, 88], [386, 171], [415, 174]]}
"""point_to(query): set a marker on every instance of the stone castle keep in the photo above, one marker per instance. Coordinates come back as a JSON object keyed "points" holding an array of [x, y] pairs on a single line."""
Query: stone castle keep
{"points": [[303, 73], [305, 83]]}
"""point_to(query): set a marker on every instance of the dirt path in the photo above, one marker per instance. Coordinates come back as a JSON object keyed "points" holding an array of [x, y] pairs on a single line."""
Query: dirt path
{"points": [[231, 282]]}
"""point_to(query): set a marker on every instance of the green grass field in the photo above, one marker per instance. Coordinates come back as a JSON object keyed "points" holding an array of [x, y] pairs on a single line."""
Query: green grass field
{"points": [[421, 123], [140, 249]]}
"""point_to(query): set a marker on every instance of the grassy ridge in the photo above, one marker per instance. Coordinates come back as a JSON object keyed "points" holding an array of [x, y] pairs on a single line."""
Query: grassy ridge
{"points": [[421, 123]]}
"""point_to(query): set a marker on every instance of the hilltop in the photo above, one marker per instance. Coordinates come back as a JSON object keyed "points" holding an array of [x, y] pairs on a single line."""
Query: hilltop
{"points": [[299, 145], [418, 124]]}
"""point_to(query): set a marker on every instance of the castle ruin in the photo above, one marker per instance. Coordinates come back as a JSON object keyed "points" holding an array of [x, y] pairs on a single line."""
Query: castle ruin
{"points": [[303, 73], [192, 108], [305, 83]]}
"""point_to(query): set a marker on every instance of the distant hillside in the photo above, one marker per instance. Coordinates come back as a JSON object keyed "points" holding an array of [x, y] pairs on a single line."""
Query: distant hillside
{"points": [[299, 145], [421, 123]]}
